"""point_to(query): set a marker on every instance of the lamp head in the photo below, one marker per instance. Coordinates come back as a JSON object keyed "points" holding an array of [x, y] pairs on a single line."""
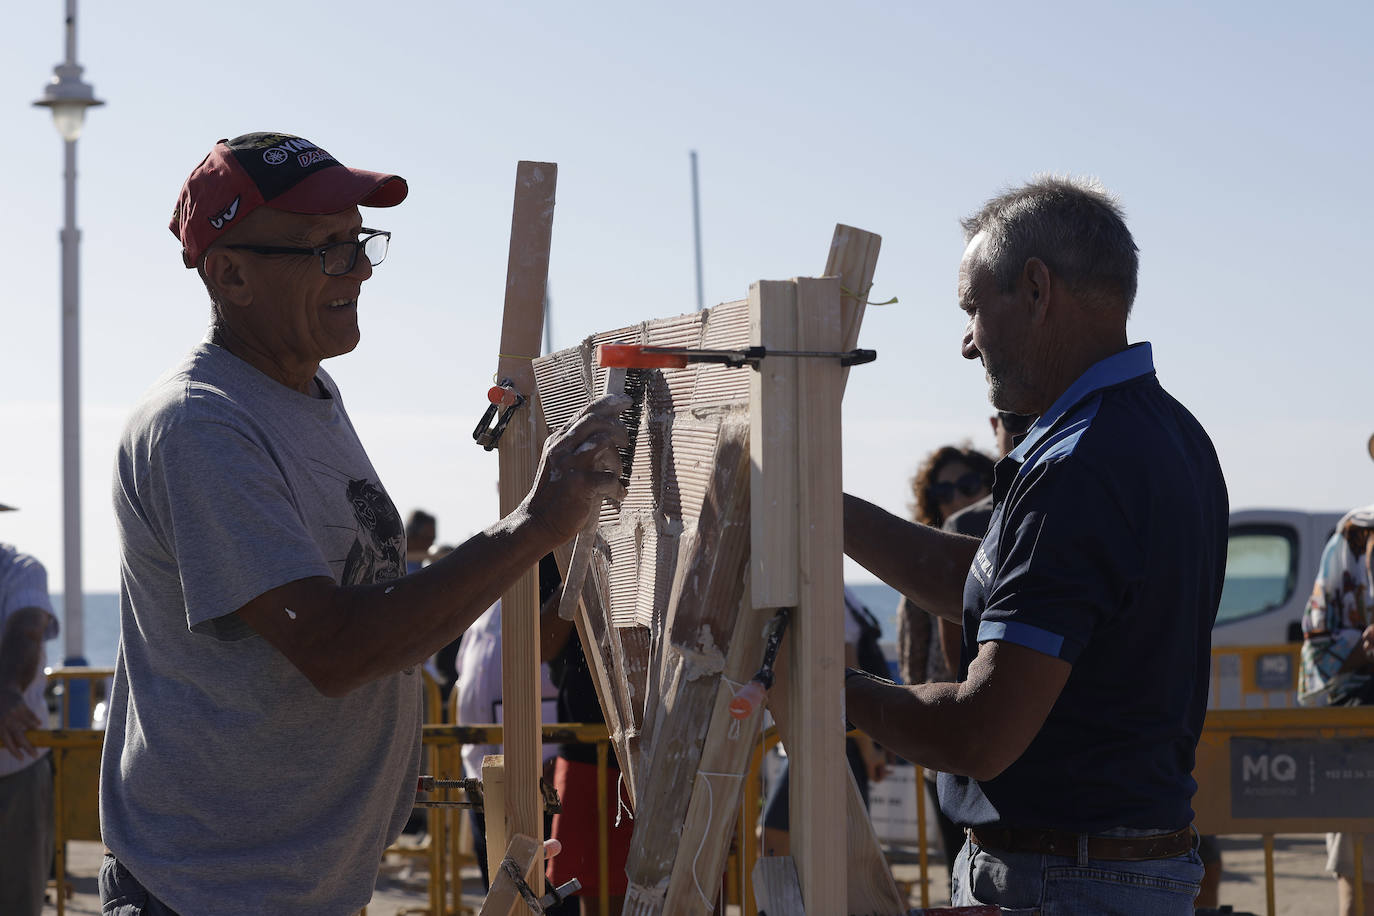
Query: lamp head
{"points": [[68, 97]]}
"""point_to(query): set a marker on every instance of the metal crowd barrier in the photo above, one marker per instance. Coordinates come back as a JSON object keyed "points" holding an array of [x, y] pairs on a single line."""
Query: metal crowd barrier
{"points": [[1263, 768], [76, 779], [1254, 677], [1270, 771], [76, 772]]}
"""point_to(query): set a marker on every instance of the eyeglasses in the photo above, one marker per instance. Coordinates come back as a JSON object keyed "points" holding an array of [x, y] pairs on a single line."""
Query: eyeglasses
{"points": [[970, 484], [336, 258], [1015, 423]]}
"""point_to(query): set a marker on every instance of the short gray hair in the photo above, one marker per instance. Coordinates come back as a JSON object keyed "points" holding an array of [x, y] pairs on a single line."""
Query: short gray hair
{"points": [[216, 309], [1074, 225]]}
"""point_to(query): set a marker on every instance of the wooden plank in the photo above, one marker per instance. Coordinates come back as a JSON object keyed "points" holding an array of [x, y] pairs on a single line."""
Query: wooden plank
{"points": [[493, 807], [719, 782], [816, 755], [504, 898], [777, 888], [854, 259], [527, 272], [705, 601], [773, 446], [522, 326], [872, 889], [869, 885]]}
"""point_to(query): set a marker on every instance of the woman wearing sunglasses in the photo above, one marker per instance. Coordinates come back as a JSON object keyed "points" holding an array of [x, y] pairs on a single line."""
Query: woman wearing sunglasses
{"points": [[951, 478]]}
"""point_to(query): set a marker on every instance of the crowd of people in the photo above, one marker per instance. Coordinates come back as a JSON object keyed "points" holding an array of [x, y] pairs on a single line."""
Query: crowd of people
{"points": [[288, 610]]}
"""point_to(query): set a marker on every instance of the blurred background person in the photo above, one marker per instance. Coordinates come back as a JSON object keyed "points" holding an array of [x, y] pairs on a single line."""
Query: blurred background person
{"points": [[950, 479], [1007, 430], [26, 784], [1337, 648], [421, 531]]}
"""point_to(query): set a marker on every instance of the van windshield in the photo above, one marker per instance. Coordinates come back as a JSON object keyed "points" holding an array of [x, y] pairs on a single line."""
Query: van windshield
{"points": [[1261, 571]]}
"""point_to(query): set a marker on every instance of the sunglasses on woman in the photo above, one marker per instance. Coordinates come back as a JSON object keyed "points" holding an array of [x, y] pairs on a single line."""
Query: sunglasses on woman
{"points": [[969, 484]]}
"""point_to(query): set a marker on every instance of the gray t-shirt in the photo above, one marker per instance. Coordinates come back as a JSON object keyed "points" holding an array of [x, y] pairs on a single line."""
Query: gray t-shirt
{"points": [[229, 784]]}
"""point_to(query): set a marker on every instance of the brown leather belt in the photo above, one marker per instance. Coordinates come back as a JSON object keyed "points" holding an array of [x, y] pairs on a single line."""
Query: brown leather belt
{"points": [[1063, 843]]}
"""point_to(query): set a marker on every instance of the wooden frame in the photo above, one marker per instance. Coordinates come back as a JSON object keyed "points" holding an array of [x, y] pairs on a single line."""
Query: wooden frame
{"points": [[793, 519]]}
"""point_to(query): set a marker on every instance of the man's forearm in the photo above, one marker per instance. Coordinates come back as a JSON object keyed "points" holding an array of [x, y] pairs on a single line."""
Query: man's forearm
{"points": [[927, 565], [342, 637], [919, 722], [977, 727]]}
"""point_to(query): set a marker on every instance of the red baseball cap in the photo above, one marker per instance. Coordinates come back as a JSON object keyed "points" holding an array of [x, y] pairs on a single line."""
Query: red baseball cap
{"points": [[276, 170]]}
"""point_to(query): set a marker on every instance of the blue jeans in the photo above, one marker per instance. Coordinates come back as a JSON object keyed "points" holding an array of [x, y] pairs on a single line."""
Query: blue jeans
{"points": [[1041, 885], [121, 894]]}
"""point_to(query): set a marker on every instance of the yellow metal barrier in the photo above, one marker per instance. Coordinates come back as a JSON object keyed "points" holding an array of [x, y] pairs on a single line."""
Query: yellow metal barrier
{"points": [[76, 772], [448, 740], [76, 780], [1287, 771], [1254, 677], [1266, 732], [59, 680]]}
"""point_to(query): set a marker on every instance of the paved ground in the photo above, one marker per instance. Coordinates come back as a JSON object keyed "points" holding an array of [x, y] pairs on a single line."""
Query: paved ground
{"points": [[1301, 889]]}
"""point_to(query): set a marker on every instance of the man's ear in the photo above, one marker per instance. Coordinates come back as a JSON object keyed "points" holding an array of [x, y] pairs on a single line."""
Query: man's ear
{"points": [[224, 272], [1038, 286]]}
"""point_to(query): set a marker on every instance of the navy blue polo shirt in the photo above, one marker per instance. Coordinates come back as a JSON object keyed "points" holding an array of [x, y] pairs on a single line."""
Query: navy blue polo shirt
{"points": [[1106, 548]]}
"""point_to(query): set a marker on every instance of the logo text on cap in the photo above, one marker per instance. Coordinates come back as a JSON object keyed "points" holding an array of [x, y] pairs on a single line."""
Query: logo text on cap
{"points": [[278, 154]]}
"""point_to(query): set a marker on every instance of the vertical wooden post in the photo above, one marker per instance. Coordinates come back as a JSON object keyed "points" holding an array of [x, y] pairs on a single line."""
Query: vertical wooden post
{"points": [[773, 483], [522, 324], [493, 806], [853, 258], [818, 769]]}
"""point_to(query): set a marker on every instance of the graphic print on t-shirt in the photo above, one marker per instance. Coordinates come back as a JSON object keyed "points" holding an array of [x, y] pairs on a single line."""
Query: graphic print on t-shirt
{"points": [[376, 553], [378, 546]]}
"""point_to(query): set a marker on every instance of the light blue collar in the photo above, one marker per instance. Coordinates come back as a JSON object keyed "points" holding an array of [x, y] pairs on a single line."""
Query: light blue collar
{"points": [[1132, 362]]}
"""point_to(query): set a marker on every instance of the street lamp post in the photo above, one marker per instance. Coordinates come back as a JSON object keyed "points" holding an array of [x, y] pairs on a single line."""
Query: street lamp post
{"points": [[68, 97]]}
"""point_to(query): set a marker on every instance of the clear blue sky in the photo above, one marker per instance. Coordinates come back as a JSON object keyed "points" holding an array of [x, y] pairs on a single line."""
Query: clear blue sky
{"points": [[1238, 137]]}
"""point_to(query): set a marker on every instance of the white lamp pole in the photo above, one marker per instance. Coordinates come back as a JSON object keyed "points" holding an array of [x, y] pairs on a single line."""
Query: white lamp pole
{"points": [[68, 98], [696, 229]]}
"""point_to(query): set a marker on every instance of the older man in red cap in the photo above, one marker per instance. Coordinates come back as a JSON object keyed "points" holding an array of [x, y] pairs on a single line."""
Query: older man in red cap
{"points": [[264, 728]]}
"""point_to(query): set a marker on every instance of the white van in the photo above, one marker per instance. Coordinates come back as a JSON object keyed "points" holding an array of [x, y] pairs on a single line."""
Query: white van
{"points": [[1271, 564]]}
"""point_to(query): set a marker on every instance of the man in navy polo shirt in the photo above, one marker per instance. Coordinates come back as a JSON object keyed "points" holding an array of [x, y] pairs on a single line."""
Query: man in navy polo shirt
{"points": [[1067, 745]]}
